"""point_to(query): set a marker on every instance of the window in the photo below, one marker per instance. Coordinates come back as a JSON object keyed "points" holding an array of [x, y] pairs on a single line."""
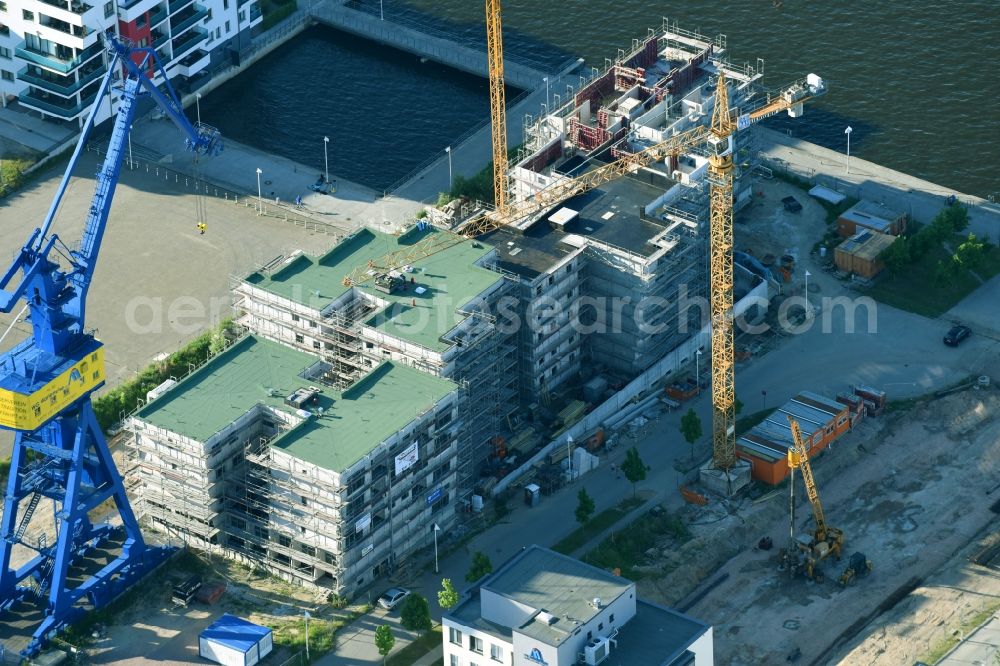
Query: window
{"points": [[218, 32], [243, 15], [476, 644], [316, 344], [208, 17], [7, 76], [295, 317], [227, 28], [454, 661], [3, 6], [496, 652], [312, 324], [612, 618], [28, 16], [225, 4], [109, 9], [4, 52], [454, 635], [299, 338]]}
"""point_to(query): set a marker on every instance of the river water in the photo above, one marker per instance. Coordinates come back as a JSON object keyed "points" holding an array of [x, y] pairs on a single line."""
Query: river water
{"points": [[915, 79]]}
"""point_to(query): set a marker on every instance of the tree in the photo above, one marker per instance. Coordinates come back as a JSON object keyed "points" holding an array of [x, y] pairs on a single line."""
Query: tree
{"points": [[896, 256], [447, 596], [481, 566], [956, 216], [691, 428], [634, 468], [384, 640], [970, 253], [415, 613], [585, 506]]}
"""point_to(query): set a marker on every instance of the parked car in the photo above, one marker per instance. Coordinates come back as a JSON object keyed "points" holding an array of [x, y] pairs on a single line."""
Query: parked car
{"points": [[954, 337], [392, 597], [792, 204]]}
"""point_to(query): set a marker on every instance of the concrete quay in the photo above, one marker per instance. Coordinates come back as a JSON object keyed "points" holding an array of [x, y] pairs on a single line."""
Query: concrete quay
{"points": [[919, 198], [440, 49]]}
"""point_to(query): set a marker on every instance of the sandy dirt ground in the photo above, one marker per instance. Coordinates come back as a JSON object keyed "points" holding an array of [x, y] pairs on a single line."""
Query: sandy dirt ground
{"points": [[902, 495], [943, 609]]}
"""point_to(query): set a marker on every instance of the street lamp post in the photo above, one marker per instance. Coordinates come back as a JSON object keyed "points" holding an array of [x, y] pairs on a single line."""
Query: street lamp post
{"points": [[307, 636], [381, 12], [260, 201], [546, 79], [808, 308], [197, 105], [848, 133], [697, 368], [437, 528], [451, 180], [326, 159], [569, 455]]}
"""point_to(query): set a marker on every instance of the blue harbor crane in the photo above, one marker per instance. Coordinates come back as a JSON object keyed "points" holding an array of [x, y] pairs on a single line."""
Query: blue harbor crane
{"points": [[46, 383]]}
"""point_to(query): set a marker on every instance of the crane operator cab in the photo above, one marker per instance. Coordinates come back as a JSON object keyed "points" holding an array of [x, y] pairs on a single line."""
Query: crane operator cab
{"points": [[720, 146]]}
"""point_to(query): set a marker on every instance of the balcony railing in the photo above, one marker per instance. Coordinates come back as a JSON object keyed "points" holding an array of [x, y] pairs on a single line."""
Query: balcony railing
{"points": [[74, 6], [175, 6], [52, 61], [158, 17], [188, 41], [196, 14], [159, 41], [64, 87], [68, 111]]}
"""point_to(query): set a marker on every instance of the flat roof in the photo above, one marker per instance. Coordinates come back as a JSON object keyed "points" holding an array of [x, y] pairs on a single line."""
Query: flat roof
{"points": [[773, 435], [255, 371], [868, 244], [872, 214], [608, 214], [449, 279], [560, 585], [656, 636]]}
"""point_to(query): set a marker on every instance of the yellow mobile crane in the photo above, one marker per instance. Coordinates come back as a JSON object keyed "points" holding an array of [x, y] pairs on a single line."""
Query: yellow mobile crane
{"points": [[520, 214], [804, 553]]}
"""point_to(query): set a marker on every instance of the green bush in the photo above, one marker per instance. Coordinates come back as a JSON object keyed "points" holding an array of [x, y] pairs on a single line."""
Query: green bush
{"points": [[277, 14], [12, 174]]}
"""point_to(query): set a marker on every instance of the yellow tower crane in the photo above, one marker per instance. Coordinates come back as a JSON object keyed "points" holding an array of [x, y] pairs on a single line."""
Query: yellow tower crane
{"points": [[805, 553], [498, 111], [719, 140]]}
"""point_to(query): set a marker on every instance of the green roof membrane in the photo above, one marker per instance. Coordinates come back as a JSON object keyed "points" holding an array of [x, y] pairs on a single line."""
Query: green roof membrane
{"points": [[449, 279], [353, 423]]}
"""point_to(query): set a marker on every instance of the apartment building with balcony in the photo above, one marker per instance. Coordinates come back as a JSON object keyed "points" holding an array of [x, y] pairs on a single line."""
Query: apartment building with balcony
{"points": [[437, 315], [254, 456], [52, 55]]}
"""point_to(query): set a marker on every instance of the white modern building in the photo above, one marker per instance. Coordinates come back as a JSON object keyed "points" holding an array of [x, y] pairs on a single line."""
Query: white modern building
{"points": [[545, 609], [52, 56]]}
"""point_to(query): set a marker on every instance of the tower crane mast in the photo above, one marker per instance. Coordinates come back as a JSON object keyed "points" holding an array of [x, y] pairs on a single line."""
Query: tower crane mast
{"points": [[46, 383], [717, 138]]}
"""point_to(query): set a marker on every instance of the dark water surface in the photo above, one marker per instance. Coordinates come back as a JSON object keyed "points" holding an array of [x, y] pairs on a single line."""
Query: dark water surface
{"points": [[384, 111], [916, 79]]}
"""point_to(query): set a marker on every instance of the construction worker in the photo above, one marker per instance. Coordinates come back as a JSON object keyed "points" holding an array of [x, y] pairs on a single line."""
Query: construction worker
{"points": [[201, 228]]}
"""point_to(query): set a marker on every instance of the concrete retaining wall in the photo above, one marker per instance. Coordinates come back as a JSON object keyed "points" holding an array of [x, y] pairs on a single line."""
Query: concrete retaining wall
{"points": [[673, 361], [434, 48]]}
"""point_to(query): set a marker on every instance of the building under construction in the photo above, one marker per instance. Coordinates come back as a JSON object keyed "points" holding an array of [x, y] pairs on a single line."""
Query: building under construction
{"points": [[253, 455], [327, 445]]}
